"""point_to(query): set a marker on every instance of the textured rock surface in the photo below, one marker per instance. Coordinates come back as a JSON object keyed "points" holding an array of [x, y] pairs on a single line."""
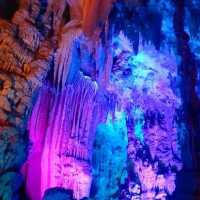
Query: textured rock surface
{"points": [[110, 157], [24, 61]]}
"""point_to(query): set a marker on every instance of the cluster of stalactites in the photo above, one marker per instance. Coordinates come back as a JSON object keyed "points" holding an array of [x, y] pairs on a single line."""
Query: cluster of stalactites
{"points": [[80, 47]]}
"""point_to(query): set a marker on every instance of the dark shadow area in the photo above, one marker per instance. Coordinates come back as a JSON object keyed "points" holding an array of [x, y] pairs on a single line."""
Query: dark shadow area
{"points": [[8, 8]]}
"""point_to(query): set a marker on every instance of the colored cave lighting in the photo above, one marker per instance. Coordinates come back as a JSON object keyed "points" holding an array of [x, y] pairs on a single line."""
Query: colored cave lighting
{"points": [[99, 100], [140, 118]]}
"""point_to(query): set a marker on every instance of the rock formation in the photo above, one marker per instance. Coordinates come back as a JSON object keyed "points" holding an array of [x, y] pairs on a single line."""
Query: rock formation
{"points": [[99, 99]]}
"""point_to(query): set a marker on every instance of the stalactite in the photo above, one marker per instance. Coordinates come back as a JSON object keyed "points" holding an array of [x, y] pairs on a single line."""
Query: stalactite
{"points": [[63, 60], [69, 132], [95, 14]]}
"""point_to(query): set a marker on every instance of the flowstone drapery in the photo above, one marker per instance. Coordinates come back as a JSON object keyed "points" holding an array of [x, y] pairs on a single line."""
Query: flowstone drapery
{"points": [[62, 126]]}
